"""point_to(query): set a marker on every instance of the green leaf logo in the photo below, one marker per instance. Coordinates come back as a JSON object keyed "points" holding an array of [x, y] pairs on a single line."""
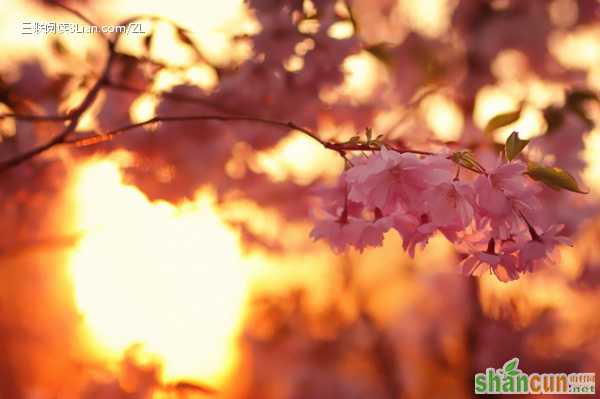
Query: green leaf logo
{"points": [[511, 367], [514, 145]]}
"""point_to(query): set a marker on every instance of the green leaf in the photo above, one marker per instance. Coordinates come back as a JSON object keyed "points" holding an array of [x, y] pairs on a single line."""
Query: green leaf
{"points": [[512, 373], [553, 177], [511, 365], [467, 160], [514, 145], [353, 141], [502, 120]]}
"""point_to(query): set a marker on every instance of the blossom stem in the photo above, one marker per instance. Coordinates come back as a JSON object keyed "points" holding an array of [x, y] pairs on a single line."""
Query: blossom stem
{"points": [[534, 235], [491, 248]]}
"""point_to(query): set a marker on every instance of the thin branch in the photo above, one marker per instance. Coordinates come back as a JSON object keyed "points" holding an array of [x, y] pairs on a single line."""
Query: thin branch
{"points": [[36, 118], [73, 119], [97, 138], [340, 148], [74, 116], [365, 147]]}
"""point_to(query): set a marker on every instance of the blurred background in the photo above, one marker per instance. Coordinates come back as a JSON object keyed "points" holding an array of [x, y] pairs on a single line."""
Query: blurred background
{"points": [[174, 261]]}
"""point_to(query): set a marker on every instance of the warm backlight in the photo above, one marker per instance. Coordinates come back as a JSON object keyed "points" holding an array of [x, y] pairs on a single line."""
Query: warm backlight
{"points": [[170, 278]]}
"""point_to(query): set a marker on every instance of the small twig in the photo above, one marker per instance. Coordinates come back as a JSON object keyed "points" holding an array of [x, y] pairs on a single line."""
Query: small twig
{"points": [[36, 118], [340, 148], [534, 235], [108, 135], [73, 119], [369, 148], [74, 116]]}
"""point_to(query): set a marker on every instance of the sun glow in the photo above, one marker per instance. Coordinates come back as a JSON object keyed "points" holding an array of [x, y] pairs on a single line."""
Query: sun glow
{"points": [[168, 277]]}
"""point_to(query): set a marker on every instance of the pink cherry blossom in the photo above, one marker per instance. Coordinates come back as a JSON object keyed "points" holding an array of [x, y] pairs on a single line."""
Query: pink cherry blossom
{"points": [[509, 178], [503, 265], [540, 250], [450, 206], [335, 198], [501, 195], [413, 230], [389, 178], [343, 231], [420, 195], [419, 235]]}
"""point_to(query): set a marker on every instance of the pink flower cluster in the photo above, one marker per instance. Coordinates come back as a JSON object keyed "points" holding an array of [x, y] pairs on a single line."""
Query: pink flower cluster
{"points": [[488, 214]]}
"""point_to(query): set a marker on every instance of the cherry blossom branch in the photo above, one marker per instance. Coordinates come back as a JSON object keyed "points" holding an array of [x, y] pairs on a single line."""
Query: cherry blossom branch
{"points": [[365, 147], [340, 148], [35, 118], [462, 158], [103, 81], [94, 138]]}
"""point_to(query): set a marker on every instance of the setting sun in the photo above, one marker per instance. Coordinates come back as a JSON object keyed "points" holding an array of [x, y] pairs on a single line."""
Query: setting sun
{"points": [[169, 278]]}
